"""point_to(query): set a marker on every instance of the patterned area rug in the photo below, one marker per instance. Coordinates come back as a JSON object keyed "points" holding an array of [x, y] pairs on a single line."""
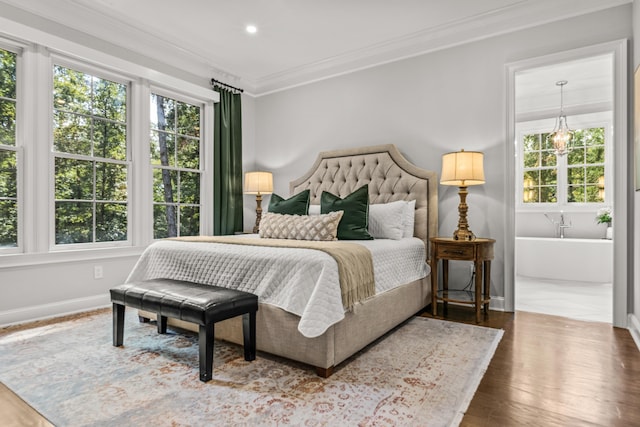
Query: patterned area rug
{"points": [[424, 373]]}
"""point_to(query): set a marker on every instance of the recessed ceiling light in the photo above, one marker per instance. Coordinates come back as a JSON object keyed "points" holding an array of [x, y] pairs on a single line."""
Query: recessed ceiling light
{"points": [[251, 29]]}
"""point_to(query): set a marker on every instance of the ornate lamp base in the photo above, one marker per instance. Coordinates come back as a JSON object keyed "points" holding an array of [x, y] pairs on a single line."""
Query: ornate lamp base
{"points": [[466, 235], [463, 232], [256, 228]]}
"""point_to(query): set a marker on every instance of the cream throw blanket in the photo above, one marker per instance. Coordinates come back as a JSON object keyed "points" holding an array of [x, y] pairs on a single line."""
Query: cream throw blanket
{"points": [[355, 264]]}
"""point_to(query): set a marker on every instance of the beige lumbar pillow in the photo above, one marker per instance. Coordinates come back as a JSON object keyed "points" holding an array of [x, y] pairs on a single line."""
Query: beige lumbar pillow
{"points": [[300, 227]]}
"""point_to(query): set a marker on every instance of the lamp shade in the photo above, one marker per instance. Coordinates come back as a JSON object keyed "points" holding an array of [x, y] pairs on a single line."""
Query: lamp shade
{"points": [[258, 182], [462, 168]]}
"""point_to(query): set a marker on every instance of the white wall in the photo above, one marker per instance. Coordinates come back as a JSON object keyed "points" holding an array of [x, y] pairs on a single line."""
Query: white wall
{"points": [[583, 225], [426, 105], [634, 295], [48, 285], [248, 155]]}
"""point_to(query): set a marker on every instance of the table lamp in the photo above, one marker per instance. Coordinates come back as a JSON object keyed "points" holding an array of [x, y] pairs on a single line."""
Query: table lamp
{"points": [[258, 183], [462, 168]]}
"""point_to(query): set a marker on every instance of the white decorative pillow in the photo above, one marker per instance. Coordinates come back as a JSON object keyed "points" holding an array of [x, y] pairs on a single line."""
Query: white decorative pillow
{"points": [[314, 209], [386, 220], [409, 218], [300, 227]]}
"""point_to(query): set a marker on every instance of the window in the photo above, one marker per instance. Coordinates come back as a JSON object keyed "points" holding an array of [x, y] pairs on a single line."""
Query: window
{"points": [[540, 170], [586, 167], [176, 161], [8, 151], [90, 158], [577, 178], [85, 165]]}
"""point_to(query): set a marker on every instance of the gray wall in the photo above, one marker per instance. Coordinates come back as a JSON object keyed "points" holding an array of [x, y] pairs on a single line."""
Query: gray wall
{"points": [[55, 285], [426, 105], [634, 296]]}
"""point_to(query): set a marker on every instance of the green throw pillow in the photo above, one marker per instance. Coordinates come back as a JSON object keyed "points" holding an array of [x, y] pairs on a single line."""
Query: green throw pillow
{"points": [[297, 204], [355, 221]]}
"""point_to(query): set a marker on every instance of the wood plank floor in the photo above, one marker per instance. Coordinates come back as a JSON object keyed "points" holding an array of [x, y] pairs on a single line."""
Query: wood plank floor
{"points": [[547, 371], [554, 371]]}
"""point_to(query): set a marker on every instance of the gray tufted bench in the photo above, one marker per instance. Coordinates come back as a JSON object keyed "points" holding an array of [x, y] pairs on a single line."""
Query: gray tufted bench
{"points": [[191, 302]]}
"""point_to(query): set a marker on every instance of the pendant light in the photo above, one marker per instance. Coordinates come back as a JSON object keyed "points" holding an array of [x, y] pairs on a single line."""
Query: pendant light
{"points": [[561, 135]]}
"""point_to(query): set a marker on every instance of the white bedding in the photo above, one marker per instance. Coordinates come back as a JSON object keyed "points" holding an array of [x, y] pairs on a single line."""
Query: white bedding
{"points": [[301, 281]]}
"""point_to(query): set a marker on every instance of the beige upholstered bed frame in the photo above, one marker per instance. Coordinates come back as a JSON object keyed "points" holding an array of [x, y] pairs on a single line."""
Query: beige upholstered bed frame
{"points": [[390, 177]]}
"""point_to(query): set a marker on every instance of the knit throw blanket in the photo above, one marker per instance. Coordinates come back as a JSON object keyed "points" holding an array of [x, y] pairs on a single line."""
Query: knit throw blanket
{"points": [[355, 264]]}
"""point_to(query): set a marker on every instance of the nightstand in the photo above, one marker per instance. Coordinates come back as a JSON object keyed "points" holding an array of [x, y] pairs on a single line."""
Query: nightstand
{"points": [[480, 251]]}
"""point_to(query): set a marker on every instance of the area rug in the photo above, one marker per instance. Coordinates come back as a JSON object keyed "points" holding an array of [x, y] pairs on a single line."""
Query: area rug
{"points": [[424, 372]]}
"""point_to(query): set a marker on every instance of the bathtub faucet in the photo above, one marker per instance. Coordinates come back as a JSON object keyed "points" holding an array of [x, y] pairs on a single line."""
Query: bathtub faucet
{"points": [[562, 226]]}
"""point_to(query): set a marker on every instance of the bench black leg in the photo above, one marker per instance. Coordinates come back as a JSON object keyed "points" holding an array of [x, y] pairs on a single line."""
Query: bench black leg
{"points": [[249, 335], [118, 324], [205, 342], [162, 324]]}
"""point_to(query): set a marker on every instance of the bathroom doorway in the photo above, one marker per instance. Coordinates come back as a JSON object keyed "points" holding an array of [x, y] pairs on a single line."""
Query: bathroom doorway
{"points": [[563, 262]]}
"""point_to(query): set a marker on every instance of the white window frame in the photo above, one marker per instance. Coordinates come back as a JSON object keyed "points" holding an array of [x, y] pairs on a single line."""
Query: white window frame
{"points": [[107, 75], [18, 49], [582, 121], [35, 158], [206, 154]]}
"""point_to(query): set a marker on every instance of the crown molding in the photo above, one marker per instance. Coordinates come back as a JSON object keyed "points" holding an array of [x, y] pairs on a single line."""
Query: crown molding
{"points": [[521, 15], [99, 23]]}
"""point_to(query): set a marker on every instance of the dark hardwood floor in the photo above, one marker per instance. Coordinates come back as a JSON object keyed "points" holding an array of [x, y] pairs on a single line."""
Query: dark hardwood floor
{"points": [[547, 371], [554, 371]]}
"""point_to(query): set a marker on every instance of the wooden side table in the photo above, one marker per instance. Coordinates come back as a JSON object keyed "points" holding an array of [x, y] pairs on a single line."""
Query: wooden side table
{"points": [[480, 251]]}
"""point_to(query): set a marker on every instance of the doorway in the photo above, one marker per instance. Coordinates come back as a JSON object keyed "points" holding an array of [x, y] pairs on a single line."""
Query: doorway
{"points": [[564, 263], [526, 111]]}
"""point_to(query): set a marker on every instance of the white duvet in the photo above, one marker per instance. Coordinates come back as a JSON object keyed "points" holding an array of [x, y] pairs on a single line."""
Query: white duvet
{"points": [[301, 281]]}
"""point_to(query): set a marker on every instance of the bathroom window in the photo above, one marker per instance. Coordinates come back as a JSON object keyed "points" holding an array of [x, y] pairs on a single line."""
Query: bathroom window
{"points": [[575, 179], [540, 173], [586, 167]]}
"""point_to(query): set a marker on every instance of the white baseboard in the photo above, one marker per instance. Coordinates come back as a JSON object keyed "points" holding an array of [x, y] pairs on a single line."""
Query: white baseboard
{"points": [[56, 309], [634, 328], [496, 303]]}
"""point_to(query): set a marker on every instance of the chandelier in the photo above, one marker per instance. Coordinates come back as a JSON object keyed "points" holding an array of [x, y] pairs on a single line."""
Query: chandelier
{"points": [[561, 135]]}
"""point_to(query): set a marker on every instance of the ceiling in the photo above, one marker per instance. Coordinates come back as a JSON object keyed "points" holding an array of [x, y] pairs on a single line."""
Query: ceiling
{"points": [[589, 87], [297, 41]]}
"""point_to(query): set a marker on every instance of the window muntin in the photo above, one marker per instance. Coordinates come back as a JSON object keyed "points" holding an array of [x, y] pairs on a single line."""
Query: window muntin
{"points": [[540, 175], [573, 179], [90, 158], [586, 167], [175, 150], [8, 150]]}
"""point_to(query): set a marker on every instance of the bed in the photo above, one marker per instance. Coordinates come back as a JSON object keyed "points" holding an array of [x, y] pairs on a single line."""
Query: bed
{"points": [[390, 178]]}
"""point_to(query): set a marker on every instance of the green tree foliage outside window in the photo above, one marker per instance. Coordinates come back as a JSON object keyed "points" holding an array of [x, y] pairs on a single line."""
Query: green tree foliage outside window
{"points": [[175, 158], [585, 167], [8, 153], [91, 165], [584, 171], [540, 170]]}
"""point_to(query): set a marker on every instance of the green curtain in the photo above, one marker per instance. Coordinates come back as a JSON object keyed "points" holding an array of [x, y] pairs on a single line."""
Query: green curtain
{"points": [[227, 152]]}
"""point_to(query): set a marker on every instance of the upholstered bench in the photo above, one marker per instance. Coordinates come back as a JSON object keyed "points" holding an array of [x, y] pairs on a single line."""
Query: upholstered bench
{"points": [[191, 302]]}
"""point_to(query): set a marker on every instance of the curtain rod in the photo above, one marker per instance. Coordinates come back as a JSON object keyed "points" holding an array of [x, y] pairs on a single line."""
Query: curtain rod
{"points": [[215, 82]]}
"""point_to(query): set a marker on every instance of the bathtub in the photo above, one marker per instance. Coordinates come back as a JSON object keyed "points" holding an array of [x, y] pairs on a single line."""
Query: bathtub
{"points": [[582, 260]]}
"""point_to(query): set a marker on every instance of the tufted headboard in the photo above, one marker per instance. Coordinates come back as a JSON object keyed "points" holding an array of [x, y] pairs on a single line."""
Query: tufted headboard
{"points": [[390, 177]]}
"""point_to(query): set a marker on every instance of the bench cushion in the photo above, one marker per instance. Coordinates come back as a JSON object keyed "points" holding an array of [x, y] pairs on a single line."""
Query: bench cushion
{"points": [[191, 302]]}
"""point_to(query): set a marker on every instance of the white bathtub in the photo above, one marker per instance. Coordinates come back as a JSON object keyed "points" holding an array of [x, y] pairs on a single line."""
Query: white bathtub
{"points": [[583, 260]]}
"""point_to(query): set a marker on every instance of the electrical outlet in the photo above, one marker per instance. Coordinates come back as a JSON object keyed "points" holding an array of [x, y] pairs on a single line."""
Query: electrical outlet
{"points": [[97, 272]]}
